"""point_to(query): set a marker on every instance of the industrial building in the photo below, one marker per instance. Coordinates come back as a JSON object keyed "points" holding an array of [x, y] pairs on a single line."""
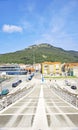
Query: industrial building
{"points": [[11, 69]]}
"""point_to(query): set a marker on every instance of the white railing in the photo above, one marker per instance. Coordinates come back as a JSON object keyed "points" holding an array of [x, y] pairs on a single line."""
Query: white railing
{"points": [[11, 98], [69, 97]]}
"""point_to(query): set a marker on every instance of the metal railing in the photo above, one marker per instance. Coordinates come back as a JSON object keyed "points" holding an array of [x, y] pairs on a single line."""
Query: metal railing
{"points": [[11, 98], [67, 96]]}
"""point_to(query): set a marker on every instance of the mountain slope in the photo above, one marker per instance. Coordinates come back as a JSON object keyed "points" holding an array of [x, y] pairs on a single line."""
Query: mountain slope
{"points": [[39, 53]]}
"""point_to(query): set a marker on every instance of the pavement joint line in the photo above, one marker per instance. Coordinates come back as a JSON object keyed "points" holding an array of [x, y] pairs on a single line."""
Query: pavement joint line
{"points": [[40, 117], [61, 113], [50, 114], [66, 118], [46, 114], [25, 104], [12, 120], [16, 102], [64, 100], [18, 114]]}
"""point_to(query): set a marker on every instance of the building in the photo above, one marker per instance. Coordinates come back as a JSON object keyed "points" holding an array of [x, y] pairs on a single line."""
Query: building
{"points": [[70, 69], [37, 67], [12, 69], [51, 68], [75, 71]]}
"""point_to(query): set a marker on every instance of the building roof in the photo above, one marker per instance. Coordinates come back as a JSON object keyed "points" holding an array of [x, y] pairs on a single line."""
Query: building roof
{"points": [[51, 62]]}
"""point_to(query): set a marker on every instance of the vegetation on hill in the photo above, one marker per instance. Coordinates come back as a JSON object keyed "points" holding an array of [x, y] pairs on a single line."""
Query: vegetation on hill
{"points": [[39, 53]]}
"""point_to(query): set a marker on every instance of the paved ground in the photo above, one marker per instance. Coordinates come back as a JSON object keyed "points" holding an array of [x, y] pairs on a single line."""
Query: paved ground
{"points": [[41, 109]]}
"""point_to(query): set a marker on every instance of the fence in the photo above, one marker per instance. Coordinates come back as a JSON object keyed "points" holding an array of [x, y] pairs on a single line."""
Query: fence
{"points": [[11, 98], [68, 96]]}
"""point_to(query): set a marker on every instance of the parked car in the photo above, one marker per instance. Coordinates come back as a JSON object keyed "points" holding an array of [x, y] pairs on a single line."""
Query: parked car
{"points": [[67, 83], [29, 78], [20, 81], [32, 75], [4, 92], [16, 83], [73, 87]]}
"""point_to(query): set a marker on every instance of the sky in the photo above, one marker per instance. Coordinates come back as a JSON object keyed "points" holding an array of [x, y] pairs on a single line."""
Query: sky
{"points": [[27, 22]]}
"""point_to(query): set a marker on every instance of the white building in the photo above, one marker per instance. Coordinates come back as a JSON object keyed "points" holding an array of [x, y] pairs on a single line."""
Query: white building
{"points": [[75, 71]]}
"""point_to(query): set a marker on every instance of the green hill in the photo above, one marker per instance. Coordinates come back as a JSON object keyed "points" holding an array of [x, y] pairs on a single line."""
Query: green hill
{"points": [[39, 53]]}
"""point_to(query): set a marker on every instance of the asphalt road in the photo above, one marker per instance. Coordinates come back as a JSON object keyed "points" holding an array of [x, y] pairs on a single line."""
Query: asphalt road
{"points": [[40, 109], [8, 83]]}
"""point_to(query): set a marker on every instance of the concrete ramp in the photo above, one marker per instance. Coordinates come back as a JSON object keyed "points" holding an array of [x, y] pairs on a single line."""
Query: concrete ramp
{"points": [[40, 120]]}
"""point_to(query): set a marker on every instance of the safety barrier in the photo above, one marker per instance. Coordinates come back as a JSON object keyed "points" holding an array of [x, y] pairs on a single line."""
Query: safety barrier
{"points": [[11, 98], [68, 96]]}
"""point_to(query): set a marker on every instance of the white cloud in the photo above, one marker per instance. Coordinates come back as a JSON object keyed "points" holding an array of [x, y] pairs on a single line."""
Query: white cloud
{"points": [[11, 28]]}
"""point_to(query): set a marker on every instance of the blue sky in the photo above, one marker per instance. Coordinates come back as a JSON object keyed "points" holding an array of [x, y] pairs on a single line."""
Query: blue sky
{"points": [[27, 22]]}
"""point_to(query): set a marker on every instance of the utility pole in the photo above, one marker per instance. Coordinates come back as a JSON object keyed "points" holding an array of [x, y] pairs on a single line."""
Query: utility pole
{"points": [[33, 58]]}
